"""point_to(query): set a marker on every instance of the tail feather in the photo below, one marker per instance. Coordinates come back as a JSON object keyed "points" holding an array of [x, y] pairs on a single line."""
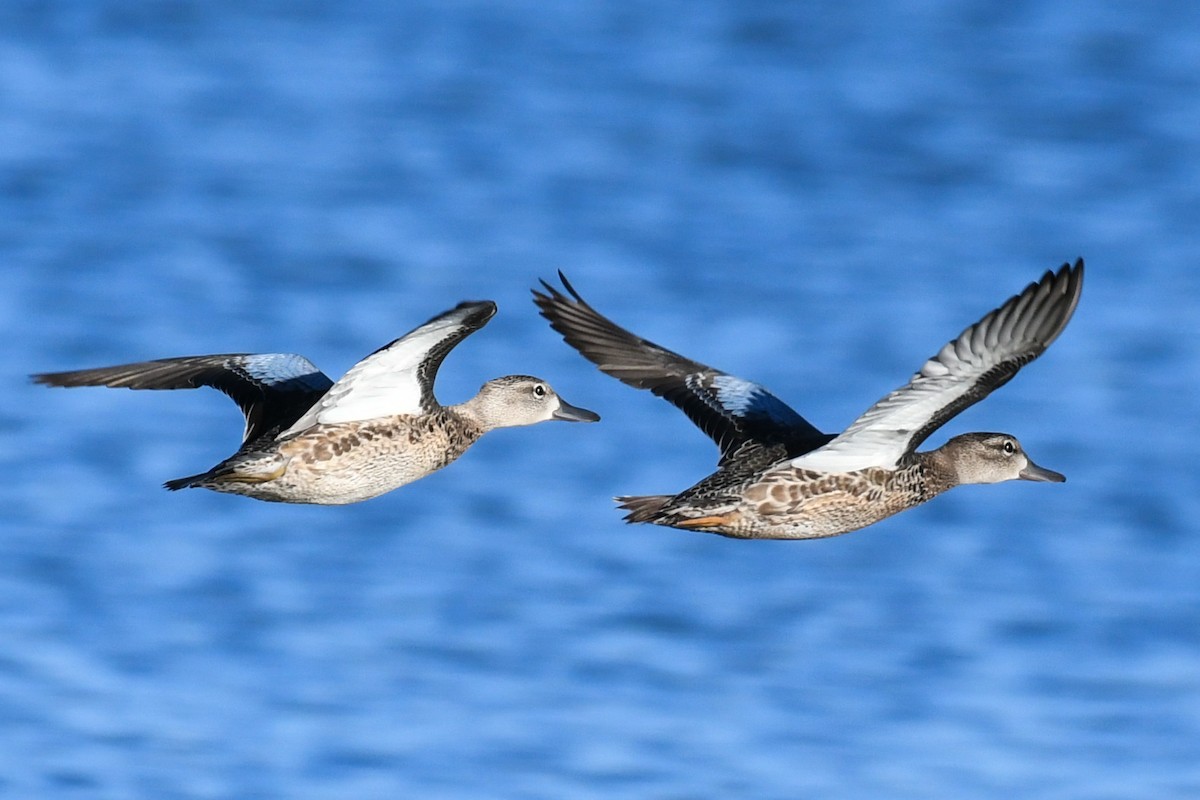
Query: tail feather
{"points": [[231, 471], [187, 482], [643, 508]]}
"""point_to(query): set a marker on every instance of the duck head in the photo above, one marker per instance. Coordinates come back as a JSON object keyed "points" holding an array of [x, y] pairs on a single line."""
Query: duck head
{"points": [[993, 458], [522, 400]]}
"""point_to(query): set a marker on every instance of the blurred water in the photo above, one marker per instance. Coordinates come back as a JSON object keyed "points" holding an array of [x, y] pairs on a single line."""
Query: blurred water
{"points": [[814, 196]]}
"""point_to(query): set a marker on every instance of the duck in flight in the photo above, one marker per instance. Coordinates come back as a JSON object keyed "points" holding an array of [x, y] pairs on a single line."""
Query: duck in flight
{"points": [[311, 440], [779, 477]]}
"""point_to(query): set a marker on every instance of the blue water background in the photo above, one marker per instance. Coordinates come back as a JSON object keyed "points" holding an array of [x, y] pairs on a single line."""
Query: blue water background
{"points": [[812, 195]]}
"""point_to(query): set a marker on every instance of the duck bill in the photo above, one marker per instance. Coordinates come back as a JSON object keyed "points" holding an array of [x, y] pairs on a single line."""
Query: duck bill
{"points": [[1033, 472], [569, 413]]}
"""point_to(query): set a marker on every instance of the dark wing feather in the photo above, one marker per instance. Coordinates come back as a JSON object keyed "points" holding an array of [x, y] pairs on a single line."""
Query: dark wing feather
{"points": [[474, 315], [730, 410], [982, 358], [1024, 326], [272, 389]]}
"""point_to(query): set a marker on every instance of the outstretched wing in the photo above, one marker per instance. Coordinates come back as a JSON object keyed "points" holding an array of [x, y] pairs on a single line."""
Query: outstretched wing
{"points": [[272, 389], [398, 377], [981, 359], [730, 410]]}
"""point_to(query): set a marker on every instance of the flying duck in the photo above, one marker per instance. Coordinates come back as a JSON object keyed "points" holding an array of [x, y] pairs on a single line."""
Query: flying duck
{"points": [[778, 476], [309, 439]]}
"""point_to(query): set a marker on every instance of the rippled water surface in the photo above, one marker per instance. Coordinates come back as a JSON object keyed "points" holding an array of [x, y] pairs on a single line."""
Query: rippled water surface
{"points": [[814, 196]]}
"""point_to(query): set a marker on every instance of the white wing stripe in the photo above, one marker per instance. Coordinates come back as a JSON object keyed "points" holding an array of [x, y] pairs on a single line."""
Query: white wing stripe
{"points": [[1013, 334], [388, 382]]}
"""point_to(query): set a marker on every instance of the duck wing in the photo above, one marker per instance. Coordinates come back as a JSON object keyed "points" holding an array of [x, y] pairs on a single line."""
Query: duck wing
{"points": [[967, 369], [732, 411], [398, 377], [272, 389]]}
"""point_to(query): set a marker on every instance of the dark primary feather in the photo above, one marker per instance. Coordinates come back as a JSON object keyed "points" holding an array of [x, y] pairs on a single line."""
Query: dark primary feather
{"points": [[1035, 317], [730, 410], [483, 311], [272, 389]]}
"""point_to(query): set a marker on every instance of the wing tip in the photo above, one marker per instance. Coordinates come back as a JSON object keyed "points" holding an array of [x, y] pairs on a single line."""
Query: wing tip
{"points": [[1064, 288], [476, 312], [555, 296]]}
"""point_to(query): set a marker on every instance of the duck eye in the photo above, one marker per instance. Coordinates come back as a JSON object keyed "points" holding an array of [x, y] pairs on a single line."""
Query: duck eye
{"points": [[1009, 448], [539, 390]]}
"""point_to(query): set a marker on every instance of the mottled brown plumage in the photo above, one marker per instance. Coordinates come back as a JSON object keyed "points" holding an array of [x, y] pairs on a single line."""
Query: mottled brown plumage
{"points": [[780, 478], [310, 440]]}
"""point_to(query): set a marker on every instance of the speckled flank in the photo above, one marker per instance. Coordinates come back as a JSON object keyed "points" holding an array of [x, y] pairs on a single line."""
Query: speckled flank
{"points": [[351, 461], [802, 504], [346, 462]]}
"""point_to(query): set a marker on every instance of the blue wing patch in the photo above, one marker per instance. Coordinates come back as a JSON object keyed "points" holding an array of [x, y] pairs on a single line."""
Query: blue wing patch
{"points": [[283, 370], [750, 401]]}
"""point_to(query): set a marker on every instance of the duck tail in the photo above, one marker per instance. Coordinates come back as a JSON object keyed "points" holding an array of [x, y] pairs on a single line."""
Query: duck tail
{"points": [[187, 483], [643, 508]]}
